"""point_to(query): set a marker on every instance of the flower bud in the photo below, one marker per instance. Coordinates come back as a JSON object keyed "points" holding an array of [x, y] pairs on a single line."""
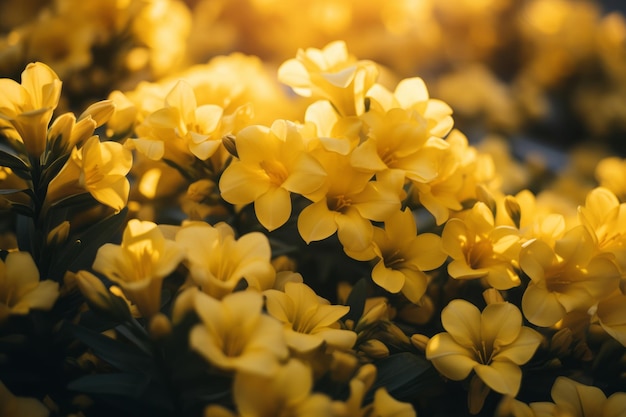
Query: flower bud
{"points": [[375, 349], [200, 190], [419, 341], [343, 365], [561, 342], [59, 234], [492, 296], [100, 112], [160, 326], [230, 144], [513, 209]]}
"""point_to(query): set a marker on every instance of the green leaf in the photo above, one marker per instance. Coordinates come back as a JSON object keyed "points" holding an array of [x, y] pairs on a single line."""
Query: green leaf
{"points": [[17, 165], [356, 300], [122, 356], [124, 384], [404, 375]]}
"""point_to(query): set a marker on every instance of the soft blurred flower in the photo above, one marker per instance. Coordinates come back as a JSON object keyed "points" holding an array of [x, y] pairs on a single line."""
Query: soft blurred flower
{"points": [[218, 262], [493, 344], [287, 392], [611, 174], [13, 406], [402, 256], [479, 249], [20, 287], [234, 334], [611, 314], [574, 399], [99, 168], [309, 320], [139, 265], [330, 73], [29, 106], [568, 277], [271, 164]]}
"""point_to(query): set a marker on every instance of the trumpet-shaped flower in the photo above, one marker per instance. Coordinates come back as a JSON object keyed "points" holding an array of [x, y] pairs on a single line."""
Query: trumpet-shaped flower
{"points": [[271, 164], [28, 106], [235, 335], [139, 265], [493, 344], [402, 256], [218, 262], [481, 250], [333, 74], [351, 201], [568, 277], [308, 320], [20, 287], [285, 393], [573, 399], [98, 168]]}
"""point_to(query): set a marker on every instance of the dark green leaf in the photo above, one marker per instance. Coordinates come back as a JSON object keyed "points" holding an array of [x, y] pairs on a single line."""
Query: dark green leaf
{"points": [[404, 375], [16, 164], [123, 384], [356, 300], [122, 356]]}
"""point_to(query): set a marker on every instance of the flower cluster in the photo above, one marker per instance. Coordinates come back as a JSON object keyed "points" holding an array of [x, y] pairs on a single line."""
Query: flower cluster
{"points": [[213, 243]]}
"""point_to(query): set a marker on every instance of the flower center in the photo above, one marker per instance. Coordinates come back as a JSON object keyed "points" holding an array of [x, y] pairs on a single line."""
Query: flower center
{"points": [[275, 170], [339, 203]]}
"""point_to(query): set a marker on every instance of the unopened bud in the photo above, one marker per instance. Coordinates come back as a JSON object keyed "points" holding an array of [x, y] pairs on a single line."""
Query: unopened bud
{"points": [[375, 349], [492, 296], [483, 194], [230, 144], [343, 366], [100, 112], [513, 209], [93, 289], [419, 341], [284, 263], [59, 234], [561, 342], [200, 190], [418, 314], [160, 326]]}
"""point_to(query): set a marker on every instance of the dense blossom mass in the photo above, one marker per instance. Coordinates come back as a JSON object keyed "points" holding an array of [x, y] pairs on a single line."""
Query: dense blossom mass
{"points": [[307, 227]]}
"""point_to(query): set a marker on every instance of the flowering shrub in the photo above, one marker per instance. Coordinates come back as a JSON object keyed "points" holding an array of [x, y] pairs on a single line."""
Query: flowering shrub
{"points": [[212, 243]]}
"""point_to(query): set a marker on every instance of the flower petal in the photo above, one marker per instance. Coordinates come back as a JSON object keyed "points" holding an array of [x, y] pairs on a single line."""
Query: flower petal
{"points": [[502, 377]]}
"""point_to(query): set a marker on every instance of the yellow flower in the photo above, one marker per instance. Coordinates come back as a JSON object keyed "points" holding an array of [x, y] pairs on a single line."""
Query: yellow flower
{"points": [[330, 73], [492, 343], [235, 335], [384, 405], [12, 406], [271, 164], [181, 127], [412, 94], [29, 106], [565, 278], [573, 399], [481, 250], [351, 201], [20, 287], [400, 140], [99, 168], [287, 392], [403, 255], [139, 265], [308, 320], [218, 262], [611, 314], [611, 174]]}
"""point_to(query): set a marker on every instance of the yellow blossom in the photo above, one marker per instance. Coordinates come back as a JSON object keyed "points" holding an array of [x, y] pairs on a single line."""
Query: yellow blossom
{"points": [[99, 168], [481, 250], [271, 164], [351, 201], [492, 343], [402, 256], [412, 94], [20, 287], [287, 392], [399, 139], [234, 334], [29, 106], [181, 127], [611, 314], [218, 262], [308, 320], [574, 399], [568, 277], [139, 265], [330, 73]]}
